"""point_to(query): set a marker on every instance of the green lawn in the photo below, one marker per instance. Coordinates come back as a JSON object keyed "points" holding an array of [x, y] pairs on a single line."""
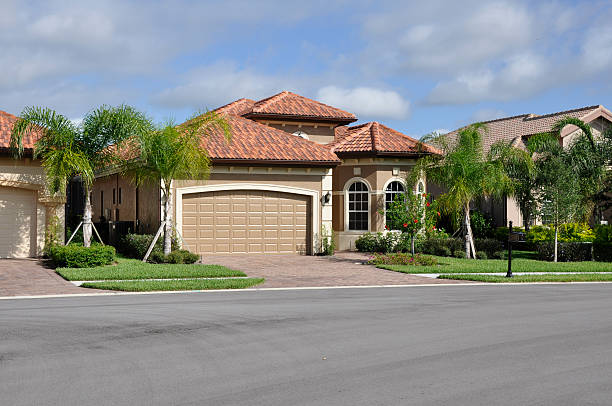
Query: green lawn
{"points": [[187, 284], [585, 277], [136, 269], [521, 262]]}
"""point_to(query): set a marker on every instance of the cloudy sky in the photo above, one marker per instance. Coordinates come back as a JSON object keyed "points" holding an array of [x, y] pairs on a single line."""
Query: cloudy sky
{"points": [[417, 66]]}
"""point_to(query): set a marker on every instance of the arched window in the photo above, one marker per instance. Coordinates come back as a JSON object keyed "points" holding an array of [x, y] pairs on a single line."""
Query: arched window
{"points": [[394, 188], [358, 210]]}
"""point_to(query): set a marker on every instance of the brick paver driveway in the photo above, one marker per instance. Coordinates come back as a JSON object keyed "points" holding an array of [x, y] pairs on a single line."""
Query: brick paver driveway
{"points": [[343, 269], [25, 277]]}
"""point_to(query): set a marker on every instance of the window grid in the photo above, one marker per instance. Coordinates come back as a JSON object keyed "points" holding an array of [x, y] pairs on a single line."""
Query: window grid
{"points": [[358, 206]]}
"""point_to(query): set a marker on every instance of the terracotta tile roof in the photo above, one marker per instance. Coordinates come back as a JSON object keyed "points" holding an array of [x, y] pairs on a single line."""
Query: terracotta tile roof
{"points": [[290, 105], [236, 108], [377, 138], [252, 141], [517, 128], [6, 127]]}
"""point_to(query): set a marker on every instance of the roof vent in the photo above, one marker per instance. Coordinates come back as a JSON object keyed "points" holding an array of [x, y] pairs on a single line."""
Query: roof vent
{"points": [[301, 134]]}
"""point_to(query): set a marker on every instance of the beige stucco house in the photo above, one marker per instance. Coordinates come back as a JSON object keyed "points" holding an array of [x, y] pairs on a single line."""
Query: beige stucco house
{"points": [[26, 208], [293, 172], [517, 130]]}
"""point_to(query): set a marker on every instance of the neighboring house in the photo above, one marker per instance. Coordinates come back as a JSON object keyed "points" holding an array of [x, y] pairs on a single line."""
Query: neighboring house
{"points": [[517, 130], [25, 205], [292, 172]]}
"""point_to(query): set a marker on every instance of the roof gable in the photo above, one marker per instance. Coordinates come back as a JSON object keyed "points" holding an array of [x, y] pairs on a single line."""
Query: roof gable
{"points": [[7, 120], [374, 137], [290, 105]]}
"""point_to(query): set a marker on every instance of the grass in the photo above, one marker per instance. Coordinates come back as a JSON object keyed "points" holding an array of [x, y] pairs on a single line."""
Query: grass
{"points": [[185, 284], [521, 262], [585, 277], [136, 269]]}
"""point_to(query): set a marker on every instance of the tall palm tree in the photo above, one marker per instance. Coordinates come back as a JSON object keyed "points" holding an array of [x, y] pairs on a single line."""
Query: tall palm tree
{"points": [[467, 173], [175, 152], [67, 150]]}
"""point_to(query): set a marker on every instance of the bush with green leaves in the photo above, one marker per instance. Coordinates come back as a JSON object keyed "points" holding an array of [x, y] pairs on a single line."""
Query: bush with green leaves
{"points": [[78, 256], [501, 233], [488, 245], [603, 234], [567, 251], [459, 254], [481, 225], [401, 258], [499, 255], [569, 232], [602, 251], [481, 255], [379, 242], [136, 245], [443, 247], [182, 257]]}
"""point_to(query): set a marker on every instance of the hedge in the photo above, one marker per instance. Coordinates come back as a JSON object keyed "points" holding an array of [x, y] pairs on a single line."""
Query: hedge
{"points": [[77, 256], [566, 252], [602, 251], [136, 245]]}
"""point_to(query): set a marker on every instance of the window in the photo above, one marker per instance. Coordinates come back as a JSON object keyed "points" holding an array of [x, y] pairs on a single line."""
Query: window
{"points": [[358, 202], [119, 195], [101, 203], [114, 197], [394, 189]]}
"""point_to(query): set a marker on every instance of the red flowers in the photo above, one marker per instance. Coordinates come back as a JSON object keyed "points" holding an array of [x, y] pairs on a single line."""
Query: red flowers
{"points": [[438, 214], [424, 194], [416, 221], [386, 227], [427, 204], [433, 228], [405, 224]]}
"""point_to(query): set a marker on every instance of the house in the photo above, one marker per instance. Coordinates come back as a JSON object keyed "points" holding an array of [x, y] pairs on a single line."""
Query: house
{"points": [[26, 208], [517, 130], [293, 171]]}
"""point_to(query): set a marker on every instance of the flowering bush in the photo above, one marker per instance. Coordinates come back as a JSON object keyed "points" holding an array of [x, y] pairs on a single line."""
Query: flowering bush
{"points": [[402, 259]]}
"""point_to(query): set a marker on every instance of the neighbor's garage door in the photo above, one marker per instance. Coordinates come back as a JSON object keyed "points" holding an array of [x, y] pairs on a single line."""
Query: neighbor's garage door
{"points": [[246, 221], [17, 222]]}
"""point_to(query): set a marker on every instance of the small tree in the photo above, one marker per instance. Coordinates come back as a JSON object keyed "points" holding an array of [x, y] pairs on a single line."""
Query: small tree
{"points": [[175, 152], [411, 213], [466, 173], [67, 150]]}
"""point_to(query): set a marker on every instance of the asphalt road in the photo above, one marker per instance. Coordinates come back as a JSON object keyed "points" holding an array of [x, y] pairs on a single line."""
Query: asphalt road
{"points": [[448, 345]]}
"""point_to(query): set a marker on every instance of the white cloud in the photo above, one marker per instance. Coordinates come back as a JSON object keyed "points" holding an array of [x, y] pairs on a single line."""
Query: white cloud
{"points": [[366, 101]]}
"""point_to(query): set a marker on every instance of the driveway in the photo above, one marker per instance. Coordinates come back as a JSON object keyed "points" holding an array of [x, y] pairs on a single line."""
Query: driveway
{"points": [[25, 277], [342, 269]]}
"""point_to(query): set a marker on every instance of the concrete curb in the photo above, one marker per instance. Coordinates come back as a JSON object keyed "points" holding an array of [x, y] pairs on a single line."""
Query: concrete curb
{"points": [[304, 288]]}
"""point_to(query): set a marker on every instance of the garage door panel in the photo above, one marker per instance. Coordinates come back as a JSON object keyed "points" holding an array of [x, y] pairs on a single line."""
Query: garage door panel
{"points": [[17, 223], [246, 221]]}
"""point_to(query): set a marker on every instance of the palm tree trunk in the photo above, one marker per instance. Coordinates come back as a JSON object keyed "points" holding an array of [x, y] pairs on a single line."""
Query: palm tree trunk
{"points": [[168, 226], [412, 244], [466, 222], [87, 220]]}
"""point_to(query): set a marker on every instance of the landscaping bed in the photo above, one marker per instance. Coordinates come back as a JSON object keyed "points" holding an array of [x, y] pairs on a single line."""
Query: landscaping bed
{"points": [[521, 263], [173, 285], [583, 277]]}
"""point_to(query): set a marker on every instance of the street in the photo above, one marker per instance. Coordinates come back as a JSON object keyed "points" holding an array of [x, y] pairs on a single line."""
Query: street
{"points": [[446, 345]]}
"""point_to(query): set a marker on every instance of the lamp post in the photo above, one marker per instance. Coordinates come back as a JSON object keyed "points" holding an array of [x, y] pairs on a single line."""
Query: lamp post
{"points": [[509, 273]]}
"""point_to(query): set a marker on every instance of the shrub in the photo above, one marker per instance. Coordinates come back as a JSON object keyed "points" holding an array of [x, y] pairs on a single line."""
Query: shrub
{"points": [[181, 257], [402, 259], [379, 242], [602, 251], [459, 254], [481, 255], [443, 247], [603, 234], [570, 232], [501, 233], [77, 256], [567, 251], [499, 255], [136, 245], [481, 225], [488, 245]]}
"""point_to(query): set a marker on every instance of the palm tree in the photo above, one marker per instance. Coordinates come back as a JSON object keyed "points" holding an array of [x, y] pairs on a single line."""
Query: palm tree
{"points": [[175, 152], [467, 173], [67, 150]]}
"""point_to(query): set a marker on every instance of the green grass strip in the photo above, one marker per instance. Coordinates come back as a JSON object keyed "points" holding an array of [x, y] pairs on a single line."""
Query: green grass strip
{"points": [[585, 277], [135, 269], [455, 265], [191, 284]]}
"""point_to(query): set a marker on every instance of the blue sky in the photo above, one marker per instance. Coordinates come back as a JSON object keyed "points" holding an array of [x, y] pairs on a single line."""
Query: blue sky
{"points": [[417, 66]]}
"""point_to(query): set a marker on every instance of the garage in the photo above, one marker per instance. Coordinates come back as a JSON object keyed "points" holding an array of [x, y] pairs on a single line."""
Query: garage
{"points": [[17, 222], [246, 221]]}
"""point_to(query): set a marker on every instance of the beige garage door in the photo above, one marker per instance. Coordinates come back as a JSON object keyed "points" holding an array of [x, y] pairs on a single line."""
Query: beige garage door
{"points": [[17, 222], [246, 221]]}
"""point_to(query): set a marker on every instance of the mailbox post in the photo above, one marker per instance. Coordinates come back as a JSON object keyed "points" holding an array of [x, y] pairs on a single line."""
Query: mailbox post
{"points": [[509, 273]]}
